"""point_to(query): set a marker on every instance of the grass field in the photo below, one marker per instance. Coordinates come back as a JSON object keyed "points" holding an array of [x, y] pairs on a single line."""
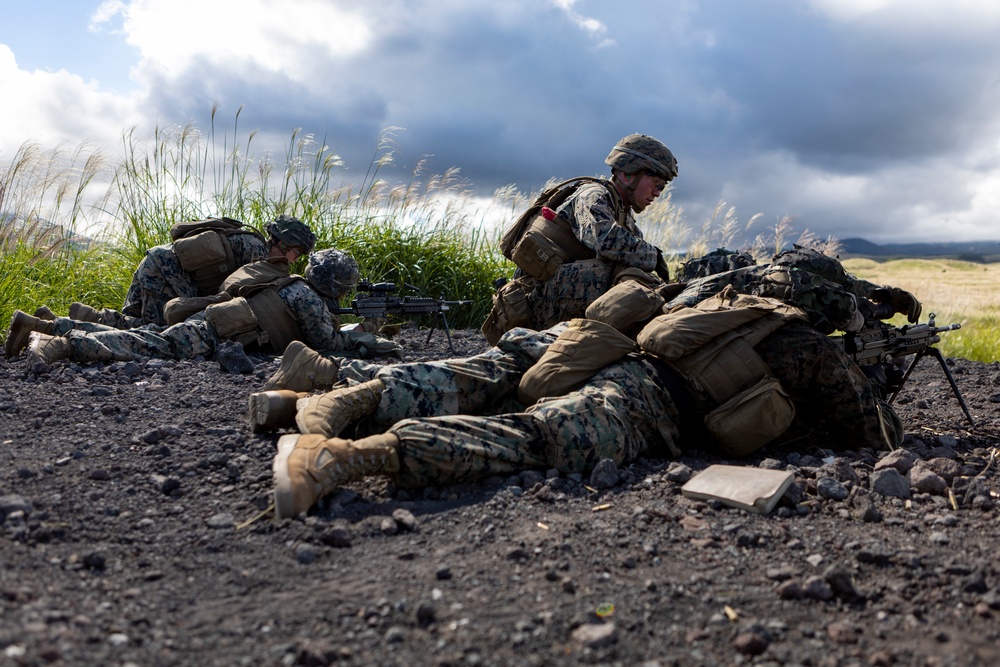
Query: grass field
{"points": [[955, 291]]}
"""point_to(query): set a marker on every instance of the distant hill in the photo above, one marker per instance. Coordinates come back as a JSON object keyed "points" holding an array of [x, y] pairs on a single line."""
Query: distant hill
{"points": [[970, 251]]}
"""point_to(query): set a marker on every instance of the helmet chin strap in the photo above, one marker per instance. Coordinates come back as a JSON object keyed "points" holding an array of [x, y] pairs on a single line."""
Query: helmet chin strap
{"points": [[627, 184]]}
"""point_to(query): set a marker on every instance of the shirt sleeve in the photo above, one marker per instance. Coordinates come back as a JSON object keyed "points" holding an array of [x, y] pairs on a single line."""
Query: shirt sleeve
{"points": [[319, 330], [592, 216]]}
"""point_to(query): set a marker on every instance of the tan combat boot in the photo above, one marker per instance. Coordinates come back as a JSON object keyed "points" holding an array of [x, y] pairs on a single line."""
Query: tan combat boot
{"points": [[83, 313], [303, 369], [46, 349], [307, 467], [21, 326], [328, 414], [269, 410], [44, 313]]}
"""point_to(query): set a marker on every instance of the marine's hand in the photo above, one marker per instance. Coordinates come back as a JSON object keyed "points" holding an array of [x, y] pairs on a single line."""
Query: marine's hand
{"points": [[661, 267], [901, 301]]}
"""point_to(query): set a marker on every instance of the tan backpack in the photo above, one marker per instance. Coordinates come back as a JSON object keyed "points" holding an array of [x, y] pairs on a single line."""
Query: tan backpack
{"points": [[203, 250], [540, 241], [711, 346]]}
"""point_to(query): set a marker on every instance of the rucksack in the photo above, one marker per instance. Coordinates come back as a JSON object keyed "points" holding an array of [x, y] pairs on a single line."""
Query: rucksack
{"points": [[539, 241]]}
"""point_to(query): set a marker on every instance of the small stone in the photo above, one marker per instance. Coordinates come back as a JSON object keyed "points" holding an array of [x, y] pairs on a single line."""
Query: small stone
{"points": [[842, 632], [898, 459], [789, 590], [828, 487], [388, 526], [305, 554], [604, 475], [923, 480], [750, 643], [889, 482], [233, 359], [595, 635], [405, 519], [817, 588], [221, 521]]}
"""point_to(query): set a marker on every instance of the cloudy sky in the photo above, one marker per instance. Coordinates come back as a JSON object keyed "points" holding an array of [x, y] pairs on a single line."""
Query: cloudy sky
{"points": [[871, 118]]}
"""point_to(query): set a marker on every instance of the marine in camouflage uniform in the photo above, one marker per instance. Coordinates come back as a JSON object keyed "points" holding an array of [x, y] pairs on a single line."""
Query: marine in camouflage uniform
{"points": [[636, 162], [628, 409], [834, 299], [328, 276], [160, 276]]}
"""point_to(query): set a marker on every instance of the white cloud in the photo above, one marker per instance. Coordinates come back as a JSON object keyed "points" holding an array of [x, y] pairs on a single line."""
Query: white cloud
{"points": [[272, 35]]}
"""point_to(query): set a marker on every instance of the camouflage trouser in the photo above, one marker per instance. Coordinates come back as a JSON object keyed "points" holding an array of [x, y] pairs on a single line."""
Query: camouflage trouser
{"points": [[185, 340], [482, 384], [568, 293], [623, 412], [833, 398], [158, 278]]}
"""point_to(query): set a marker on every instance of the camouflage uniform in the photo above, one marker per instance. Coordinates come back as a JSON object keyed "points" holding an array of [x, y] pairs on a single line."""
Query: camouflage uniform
{"points": [[623, 412], [195, 336], [833, 298], [459, 419], [159, 278], [592, 216]]}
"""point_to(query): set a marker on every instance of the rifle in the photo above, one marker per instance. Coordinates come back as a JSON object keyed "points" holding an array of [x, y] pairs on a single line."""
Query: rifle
{"points": [[880, 343], [381, 300]]}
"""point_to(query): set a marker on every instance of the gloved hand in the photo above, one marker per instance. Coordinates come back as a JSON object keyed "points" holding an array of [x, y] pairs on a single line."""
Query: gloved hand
{"points": [[661, 267], [900, 300]]}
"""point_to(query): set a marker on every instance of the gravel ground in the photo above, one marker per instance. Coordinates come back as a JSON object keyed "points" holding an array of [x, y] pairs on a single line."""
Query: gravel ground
{"points": [[134, 531]]}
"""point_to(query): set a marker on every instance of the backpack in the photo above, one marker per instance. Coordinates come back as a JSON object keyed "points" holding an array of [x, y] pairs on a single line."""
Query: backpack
{"points": [[539, 241], [204, 251]]}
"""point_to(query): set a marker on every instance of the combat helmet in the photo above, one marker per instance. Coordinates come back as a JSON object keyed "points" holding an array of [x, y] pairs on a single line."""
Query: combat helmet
{"points": [[292, 232], [814, 261], [332, 272], [639, 151]]}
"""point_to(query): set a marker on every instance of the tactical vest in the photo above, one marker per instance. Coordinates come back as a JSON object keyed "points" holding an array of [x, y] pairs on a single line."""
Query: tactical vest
{"points": [[711, 348], [541, 240], [257, 315], [204, 250]]}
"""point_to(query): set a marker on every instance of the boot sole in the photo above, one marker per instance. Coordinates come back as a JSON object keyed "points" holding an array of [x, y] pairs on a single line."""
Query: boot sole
{"points": [[284, 500], [264, 412], [18, 336]]}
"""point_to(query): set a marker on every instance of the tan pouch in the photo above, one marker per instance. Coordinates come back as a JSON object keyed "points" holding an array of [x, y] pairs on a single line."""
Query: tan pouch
{"points": [[626, 304], [585, 347], [537, 255], [752, 418], [200, 251], [233, 320], [180, 308], [510, 309]]}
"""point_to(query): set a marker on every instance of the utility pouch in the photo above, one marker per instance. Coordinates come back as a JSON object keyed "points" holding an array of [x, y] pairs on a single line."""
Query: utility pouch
{"points": [[510, 309], [537, 255], [626, 304], [233, 320], [199, 251], [751, 418], [585, 347]]}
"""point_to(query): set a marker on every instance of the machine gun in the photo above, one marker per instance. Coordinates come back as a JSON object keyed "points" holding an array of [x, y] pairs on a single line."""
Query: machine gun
{"points": [[380, 299], [879, 343]]}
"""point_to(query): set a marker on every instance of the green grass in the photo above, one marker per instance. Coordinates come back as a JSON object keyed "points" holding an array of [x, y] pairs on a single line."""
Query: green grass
{"points": [[76, 226]]}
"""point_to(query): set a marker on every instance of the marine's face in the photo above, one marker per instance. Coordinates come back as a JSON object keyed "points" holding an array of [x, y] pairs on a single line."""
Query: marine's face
{"points": [[647, 189]]}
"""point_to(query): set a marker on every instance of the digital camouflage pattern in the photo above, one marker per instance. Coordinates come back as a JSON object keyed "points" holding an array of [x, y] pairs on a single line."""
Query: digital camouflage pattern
{"points": [[640, 151], [459, 419], [592, 216], [834, 400], [623, 412], [802, 277], [196, 337], [159, 278], [717, 261]]}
